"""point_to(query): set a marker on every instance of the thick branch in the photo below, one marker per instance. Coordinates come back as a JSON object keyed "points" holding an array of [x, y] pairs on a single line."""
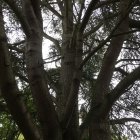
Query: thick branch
{"points": [[111, 55], [88, 14], [93, 30], [46, 4], [124, 120], [80, 12], [98, 47], [115, 30], [60, 4], [10, 90], [15, 48], [127, 60], [19, 15], [123, 72], [31, 16], [39, 87], [21, 77], [37, 10], [124, 84], [134, 23], [55, 41]]}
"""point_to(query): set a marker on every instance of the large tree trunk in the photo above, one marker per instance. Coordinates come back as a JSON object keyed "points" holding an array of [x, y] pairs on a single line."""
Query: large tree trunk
{"points": [[99, 130], [10, 90], [64, 126], [99, 126], [68, 114], [68, 54], [47, 115]]}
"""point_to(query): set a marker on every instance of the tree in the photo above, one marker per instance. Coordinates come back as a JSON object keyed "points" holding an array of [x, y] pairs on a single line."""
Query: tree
{"points": [[97, 58]]}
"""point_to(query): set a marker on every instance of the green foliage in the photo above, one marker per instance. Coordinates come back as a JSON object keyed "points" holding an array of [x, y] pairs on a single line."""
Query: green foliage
{"points": [[8, 128], [117, 138]]}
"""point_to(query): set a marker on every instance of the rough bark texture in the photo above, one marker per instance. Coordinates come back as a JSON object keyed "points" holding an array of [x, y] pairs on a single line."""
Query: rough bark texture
{"points": [[99, 125], [46, 111], [99, 130], [10, 90], [68, 116], [62, 122]]}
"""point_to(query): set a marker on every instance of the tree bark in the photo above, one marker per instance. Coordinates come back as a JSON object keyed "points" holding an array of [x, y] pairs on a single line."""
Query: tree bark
{"points": [[10, 90], [68, 115], [99, 128], [61, 122], [47, 115]]}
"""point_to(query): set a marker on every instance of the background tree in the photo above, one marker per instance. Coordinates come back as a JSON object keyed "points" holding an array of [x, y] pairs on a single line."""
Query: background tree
{"points": [[95, 73]]}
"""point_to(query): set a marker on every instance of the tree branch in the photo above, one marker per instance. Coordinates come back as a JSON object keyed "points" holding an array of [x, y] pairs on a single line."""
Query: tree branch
{"points": [[80, 12], [93, 30], [107, 2], [46, 4], [60, 4], [55, 41], [88, 14], [124, 120], [10, 90], [20, 16], [127, 60], [106, 40], [92, 6], [37, 10], [124, 84], [134, 23], [21, 77], [124, 73]]}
